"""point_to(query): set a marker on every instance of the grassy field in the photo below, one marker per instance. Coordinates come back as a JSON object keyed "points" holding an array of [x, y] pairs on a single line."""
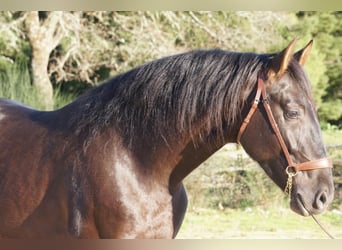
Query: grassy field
{"points": [[258, 223], [332, 137], [274, 220]]}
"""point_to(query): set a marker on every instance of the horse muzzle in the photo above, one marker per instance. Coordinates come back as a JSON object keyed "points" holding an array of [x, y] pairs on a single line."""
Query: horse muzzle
{"points": [[308, 198]]}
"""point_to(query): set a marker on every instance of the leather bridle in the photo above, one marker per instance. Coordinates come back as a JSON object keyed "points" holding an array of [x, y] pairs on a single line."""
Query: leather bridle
{"points": [[292, 168]]}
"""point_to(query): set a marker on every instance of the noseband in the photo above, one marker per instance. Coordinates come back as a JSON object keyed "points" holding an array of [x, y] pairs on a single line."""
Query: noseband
{"points": [[292, 167]]}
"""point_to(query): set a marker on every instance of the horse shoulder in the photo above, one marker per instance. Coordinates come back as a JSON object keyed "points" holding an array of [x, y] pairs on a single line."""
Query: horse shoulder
{"points": [[128, 203]]}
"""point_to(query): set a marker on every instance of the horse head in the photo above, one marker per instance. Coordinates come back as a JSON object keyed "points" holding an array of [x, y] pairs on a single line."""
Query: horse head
{"points": [[290, 148]]}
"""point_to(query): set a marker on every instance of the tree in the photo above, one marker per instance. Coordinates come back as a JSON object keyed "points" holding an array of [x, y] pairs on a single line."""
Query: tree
{"points": [[45, 31], [12, 44], [325, 28], [90, 46]]}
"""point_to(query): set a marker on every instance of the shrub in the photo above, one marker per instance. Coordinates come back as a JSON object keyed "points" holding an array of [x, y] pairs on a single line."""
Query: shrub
{"points": [[230, 179], [16, 84]]}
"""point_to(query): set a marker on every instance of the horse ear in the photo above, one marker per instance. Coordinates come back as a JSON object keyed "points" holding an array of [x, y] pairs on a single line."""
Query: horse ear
{"points": [[303, 54], [280, 62]]}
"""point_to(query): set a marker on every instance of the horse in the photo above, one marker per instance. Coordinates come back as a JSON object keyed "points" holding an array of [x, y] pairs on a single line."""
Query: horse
{"points": [[111, 163]]}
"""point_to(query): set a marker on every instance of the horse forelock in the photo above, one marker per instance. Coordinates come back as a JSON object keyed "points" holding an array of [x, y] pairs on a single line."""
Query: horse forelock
{"points": [[299, 76]]}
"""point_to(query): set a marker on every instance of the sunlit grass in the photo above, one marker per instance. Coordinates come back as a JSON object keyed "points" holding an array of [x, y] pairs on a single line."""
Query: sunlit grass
{"points": [[258, 222], [15, 84], [332, 137]]}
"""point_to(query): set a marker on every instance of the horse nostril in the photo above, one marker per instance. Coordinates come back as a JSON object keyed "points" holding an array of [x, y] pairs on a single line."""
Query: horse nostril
{"points": [[320, 201]]}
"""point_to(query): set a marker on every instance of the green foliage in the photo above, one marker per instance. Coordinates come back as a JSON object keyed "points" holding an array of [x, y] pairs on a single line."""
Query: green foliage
{"points": [[230, 180], [12, 45], [62, 98], [99, 44], [325, 28], [16, 84]]}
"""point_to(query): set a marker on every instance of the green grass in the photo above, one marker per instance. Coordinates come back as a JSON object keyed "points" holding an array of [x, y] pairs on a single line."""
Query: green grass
{"points": [[62, 99], [332, 137], [15, 84], [277, 222]]}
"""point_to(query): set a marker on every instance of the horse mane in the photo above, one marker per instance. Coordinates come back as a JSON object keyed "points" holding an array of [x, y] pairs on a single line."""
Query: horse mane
{"points": [[171, 96]]}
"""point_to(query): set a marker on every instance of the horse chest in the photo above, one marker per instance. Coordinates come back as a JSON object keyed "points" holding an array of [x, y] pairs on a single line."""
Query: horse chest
{"points": [[147, 216], [134, 208]]}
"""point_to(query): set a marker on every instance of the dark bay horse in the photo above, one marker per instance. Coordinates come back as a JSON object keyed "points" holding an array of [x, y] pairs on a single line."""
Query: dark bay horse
{"points": [[111, 163]]}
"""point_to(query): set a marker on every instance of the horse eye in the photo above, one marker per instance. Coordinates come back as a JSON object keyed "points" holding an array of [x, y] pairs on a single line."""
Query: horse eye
{"points": [[292, 114]]}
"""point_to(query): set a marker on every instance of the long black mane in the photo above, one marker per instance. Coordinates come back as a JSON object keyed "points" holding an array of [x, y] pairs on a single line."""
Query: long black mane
{"points": [[191, 93]]}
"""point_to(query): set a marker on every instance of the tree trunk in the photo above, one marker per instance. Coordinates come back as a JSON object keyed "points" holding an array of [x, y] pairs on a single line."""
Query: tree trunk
{"points": [[40, 77], [44, 36]]}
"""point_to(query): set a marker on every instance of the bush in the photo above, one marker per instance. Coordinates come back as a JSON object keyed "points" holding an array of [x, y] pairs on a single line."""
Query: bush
{"points": [[230, 179], [16, 84]]}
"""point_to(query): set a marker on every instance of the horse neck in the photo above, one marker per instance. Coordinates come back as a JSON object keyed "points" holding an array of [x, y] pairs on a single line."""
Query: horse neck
{"points": [[177, 130], [195, 151], [190, 156]]}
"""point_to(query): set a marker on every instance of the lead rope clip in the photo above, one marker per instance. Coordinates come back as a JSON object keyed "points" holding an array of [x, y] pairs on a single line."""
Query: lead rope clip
{"points": [[290, 175]]}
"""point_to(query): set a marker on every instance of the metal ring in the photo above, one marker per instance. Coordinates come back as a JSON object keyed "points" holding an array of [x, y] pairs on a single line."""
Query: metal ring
{"points": [[291, 171]]}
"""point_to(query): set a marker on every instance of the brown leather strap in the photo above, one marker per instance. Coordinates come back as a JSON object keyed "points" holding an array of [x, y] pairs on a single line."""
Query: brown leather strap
{"points": [[250, 113], [309, 165], [315, 164], [275, 126]]}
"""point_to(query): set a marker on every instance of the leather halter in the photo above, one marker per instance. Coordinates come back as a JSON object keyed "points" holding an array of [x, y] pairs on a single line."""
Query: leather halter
{"points": [[293, 167]]}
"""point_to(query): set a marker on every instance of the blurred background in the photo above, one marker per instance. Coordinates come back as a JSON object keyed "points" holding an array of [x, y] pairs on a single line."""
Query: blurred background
{"points": [[47, 59]]}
